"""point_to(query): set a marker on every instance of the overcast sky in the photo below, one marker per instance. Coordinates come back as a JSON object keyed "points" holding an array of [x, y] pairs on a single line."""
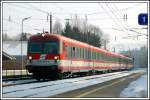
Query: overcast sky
{"points": [[107, 16]]}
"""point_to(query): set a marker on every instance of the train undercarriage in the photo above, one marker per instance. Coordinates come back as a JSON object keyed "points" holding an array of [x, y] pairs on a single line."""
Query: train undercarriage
{"points": [[52, 72]]}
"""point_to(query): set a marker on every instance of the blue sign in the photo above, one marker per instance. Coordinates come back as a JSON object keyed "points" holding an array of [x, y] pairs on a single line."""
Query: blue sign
{"points": [[143, 19]]}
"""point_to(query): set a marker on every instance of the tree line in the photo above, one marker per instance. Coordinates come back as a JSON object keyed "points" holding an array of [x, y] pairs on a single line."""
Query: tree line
{"points": [[88, 36], [140, 56]]}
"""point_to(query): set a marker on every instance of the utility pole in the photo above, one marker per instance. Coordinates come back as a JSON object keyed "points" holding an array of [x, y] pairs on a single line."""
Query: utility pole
{"points": [[76, 20], [86, 31], [50, 23], [22, 60]]}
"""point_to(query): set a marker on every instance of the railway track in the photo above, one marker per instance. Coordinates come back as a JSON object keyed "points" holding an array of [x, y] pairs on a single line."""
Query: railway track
{"points": [[24, 80], [18, 82]]}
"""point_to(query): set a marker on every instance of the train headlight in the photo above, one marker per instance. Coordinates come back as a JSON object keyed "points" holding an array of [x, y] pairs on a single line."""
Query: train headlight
{"points": [[43, 35], [30, 57], [56, 57]]}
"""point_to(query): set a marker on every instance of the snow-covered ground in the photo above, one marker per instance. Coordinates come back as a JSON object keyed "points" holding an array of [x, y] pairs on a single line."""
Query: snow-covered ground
{"points": [[137, 88], [14, 47], [50, 88]]}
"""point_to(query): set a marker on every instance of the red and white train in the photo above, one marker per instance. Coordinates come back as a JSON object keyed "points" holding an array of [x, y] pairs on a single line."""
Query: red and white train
{"points": [[53, 55]]}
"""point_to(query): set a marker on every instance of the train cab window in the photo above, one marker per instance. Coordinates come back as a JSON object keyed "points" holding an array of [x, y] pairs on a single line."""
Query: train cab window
{"points": [[51, 47], [35, 47]]}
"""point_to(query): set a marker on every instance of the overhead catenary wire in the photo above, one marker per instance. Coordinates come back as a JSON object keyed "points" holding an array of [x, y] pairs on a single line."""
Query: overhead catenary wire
{"points": [[5, 19], [111, 17], [125, 25], [42, 11], [123, 9], [46, 12], [116, 17]]}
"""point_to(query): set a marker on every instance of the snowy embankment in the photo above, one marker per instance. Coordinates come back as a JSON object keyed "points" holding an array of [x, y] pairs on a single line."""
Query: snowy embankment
{"points": [[137, 88]]}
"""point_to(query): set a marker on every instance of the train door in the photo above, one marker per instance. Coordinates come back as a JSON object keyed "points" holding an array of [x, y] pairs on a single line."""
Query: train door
{"points": [[92, 60], [89, 58], [67, 52], [72, 57]]}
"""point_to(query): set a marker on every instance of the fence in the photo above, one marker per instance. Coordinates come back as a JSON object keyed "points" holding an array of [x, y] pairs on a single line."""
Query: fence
{"points": [[13, 68]]}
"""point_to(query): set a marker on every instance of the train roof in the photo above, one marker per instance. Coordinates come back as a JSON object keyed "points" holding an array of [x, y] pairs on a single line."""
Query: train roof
{"points": [[63, 38]]}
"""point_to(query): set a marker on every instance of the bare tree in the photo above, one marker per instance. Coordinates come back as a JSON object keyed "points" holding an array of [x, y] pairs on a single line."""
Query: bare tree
{"points": [[57, 28], [5, 37]]}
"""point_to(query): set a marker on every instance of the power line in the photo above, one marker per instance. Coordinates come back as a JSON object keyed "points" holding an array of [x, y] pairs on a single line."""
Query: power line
{"points": [[131, 30], [119, 21], [110, 16], [19, 24], [126, 26], [123, 9], [37, 9]]}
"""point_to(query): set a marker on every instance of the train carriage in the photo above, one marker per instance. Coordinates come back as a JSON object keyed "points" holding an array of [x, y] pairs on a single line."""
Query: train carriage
{"points": [[53, 55]]}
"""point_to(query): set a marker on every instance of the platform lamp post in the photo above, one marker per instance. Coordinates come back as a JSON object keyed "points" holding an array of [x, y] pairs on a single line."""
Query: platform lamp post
{"points": [[21, 42]]}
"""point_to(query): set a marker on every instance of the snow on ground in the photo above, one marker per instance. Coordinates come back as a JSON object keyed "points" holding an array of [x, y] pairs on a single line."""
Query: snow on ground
{"points": [[137, 88], [14, 47]]}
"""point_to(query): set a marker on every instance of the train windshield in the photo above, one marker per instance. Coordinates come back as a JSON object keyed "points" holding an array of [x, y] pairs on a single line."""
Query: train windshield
{"points": [[43, 47]]}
